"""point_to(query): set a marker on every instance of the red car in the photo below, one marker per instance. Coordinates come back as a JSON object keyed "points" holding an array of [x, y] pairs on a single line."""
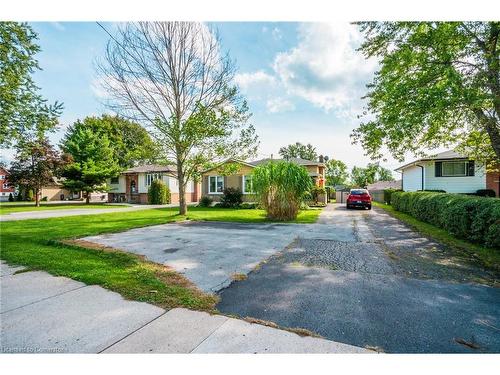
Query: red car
{"points": [[359, 198]]}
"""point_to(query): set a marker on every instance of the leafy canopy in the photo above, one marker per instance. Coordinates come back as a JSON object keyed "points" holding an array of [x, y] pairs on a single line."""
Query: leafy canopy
{"points": [[91, 160], [23, 111], [35, 165], [130, 142], [362, 177], [299, 150], [438, 85], [336, 172]]}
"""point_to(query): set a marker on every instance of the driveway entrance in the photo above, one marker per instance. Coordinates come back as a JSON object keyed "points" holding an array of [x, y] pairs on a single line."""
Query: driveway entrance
{"points": [[385, 287]]}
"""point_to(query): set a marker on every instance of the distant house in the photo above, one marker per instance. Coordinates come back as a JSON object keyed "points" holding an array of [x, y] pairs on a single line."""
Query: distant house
{"points": [[214, 181], [55, 191], [133, 184], [382, 185], [5, 188], [448, 171]]}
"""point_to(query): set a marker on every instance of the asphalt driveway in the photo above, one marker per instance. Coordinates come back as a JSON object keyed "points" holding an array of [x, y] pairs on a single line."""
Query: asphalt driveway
{"points": [[211, 254], [384, 287]]}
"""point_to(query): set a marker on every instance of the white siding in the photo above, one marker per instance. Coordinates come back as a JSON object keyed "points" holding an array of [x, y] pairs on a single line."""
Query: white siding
{"points": [[412, 179], [466, 184], [173, 185], [142, 188], [119, 187]]}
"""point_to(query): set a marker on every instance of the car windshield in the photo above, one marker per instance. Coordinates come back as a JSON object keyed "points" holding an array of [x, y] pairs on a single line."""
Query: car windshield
{"points": [[359, 192]]}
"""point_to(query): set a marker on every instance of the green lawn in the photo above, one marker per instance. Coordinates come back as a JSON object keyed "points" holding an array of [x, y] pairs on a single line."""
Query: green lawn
{"points": [[37, 244], [489, 257], [11, 207]]}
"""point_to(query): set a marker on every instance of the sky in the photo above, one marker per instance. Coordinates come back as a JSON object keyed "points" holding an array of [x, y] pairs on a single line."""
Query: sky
{"points": [[303, 81]]}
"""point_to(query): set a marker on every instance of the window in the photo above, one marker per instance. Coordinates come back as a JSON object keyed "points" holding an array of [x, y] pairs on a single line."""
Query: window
{"points": [[454, 168], [150, 177], [215, 184], [2, 177], [247, 184], [5, 186], [115, 180]]}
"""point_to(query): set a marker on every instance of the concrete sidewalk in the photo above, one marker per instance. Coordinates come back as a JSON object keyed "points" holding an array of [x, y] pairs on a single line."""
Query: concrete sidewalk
{"points": [[26, 215], [40, 313]]}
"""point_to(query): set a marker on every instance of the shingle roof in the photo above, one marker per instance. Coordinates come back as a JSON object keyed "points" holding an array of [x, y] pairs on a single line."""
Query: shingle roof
{"points": [[450, 154], [150, 168], [381, 185]]}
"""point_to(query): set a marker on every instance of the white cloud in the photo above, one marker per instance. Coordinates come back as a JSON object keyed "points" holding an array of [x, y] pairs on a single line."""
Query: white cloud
{"points": [[246, 80], [325, 68], [275, 105]]}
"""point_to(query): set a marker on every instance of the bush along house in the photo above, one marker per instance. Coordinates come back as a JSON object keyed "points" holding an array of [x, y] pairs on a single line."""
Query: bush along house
{"points": [[215, 180], [132, 185], [448, 171]]}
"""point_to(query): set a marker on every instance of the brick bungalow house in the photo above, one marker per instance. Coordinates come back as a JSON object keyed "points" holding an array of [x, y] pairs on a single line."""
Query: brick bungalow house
{"points": [[132, 185], [5, 189], [214, 181]]}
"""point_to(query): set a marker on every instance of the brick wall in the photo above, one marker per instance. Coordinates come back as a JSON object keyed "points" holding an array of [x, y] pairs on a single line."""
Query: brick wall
{"points": [[492, 182]]}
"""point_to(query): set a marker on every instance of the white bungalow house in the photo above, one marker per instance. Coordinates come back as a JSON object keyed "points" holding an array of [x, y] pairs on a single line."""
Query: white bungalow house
{"points": [[448, 171], [133, 184]]}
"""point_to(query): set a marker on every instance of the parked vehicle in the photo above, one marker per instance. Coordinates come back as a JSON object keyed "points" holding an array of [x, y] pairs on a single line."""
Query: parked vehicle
{"points": [[359, 198]]}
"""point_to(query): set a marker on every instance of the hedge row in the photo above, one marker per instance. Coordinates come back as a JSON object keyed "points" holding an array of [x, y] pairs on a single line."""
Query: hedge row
{"points": [[475, 219]]}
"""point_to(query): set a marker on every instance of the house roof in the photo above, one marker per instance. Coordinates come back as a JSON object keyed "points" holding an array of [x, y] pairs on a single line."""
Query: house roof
{"points": [[381, 185], [149, 168], [446, 155], [293, 160], [256, 163]]}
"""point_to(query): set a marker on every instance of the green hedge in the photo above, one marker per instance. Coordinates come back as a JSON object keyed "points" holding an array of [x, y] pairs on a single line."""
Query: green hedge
{"points": [[158, 193], [475, 219]]}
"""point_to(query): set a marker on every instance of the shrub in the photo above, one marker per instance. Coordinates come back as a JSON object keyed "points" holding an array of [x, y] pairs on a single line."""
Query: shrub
{"points": [[45, 199], [476, 219], [205, 201], [316, 191], [248, 206], [330, 192], [158, 193], [20, 196], [11, 197], [281, 186], [486, 193], [388, 195], [231, 197], [30, 196]]}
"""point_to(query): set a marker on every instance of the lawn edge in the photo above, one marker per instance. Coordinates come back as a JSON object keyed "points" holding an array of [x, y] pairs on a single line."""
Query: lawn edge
{"points": [[486, 256]]}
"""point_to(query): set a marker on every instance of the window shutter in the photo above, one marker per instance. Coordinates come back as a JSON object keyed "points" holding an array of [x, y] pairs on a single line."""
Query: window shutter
{"points": [[438, 168], [470, 170]]}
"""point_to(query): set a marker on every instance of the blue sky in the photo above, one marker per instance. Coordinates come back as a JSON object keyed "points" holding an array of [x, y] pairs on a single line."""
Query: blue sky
{"points": [[303, 81]]}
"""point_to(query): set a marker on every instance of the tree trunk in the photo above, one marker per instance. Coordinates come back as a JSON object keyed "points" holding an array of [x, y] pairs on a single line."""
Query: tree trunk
{"points": [[37, 198], [182, 188], [87, 200]]}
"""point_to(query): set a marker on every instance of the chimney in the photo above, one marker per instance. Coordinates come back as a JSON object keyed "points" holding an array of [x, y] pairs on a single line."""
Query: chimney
{"points": [[321, 159]]}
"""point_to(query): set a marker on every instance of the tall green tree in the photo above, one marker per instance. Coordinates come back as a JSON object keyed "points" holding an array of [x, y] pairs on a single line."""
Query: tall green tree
{"points": [[373, 172], [438, 84], [35, 165], [299, 150], [336, 172], [23, 111], [172, 78], [130, 142], [90, 161]]}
